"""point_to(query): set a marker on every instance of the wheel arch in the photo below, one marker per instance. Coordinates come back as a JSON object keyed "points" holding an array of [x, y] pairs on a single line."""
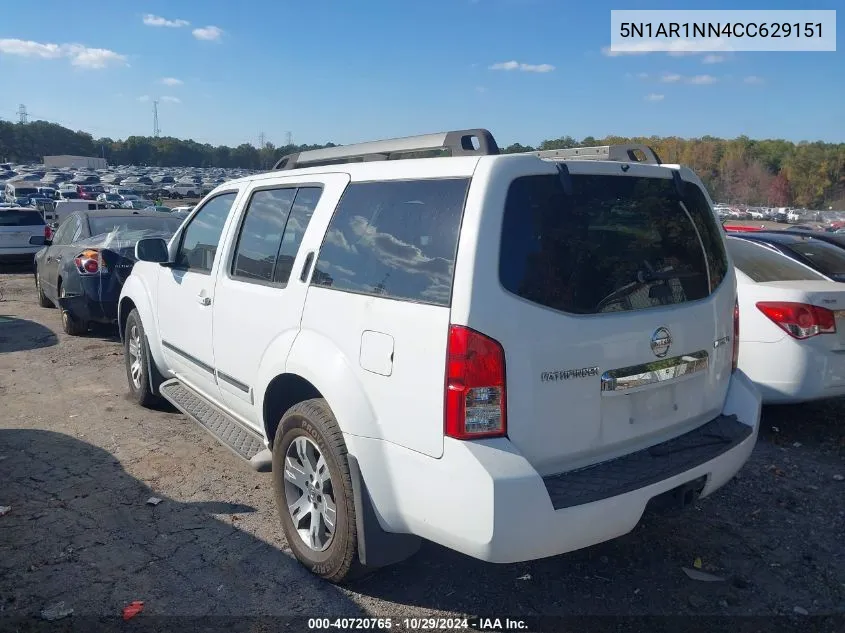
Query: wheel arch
{"points": [[283, 392], [134, 295], [315, 364], [124, 308]]}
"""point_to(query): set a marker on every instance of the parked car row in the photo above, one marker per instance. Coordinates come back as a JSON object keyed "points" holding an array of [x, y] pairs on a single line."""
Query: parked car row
{"points": [[175, 182]]}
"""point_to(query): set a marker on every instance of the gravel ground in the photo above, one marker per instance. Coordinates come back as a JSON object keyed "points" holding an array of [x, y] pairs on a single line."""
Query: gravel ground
{"points": [[78, 462]]}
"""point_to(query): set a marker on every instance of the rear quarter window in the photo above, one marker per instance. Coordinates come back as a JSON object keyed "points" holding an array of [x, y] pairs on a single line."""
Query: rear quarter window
{"points": [[394, 239], [616, 243]]}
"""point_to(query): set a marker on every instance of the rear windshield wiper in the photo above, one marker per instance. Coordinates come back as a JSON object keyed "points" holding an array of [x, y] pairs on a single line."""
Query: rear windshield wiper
{"points": [[647, 276], [644, 277]]}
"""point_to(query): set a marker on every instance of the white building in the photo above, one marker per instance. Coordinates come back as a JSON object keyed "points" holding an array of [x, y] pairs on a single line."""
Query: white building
{"points": [[75, 162]]}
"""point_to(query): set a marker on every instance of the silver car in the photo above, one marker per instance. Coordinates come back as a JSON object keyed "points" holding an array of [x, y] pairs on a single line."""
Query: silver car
{"points": [[22, 233]]}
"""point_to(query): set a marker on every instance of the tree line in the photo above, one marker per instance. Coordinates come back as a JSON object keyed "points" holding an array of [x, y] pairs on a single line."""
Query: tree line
{"points": [[756, 172]]}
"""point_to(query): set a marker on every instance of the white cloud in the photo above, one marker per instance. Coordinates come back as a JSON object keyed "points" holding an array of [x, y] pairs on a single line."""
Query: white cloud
{"points": [[171, 99], [713, 59], [609, 53], [79, 55], [675, 48], [144, 98], [754, 79], [172, 81], [702, 80], [654, 97], [208, 33], [670, 78], [642, 75], [528, 68], [157, 20]]}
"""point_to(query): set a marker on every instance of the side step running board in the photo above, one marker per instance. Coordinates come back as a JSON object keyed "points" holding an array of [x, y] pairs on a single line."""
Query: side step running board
{"points": [[244, 442]]}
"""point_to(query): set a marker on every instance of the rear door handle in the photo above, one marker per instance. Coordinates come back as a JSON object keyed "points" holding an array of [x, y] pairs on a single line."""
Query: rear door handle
{"points": [[306, 267]]}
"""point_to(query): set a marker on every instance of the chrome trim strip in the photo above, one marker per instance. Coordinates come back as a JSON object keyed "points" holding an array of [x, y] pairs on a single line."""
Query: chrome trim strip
{"points": [[665, 371], [237, 384], [192, 359]]}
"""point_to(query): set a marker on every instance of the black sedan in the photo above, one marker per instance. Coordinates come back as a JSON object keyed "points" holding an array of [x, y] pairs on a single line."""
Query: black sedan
{"points": [[820, 251], [83, 268]]}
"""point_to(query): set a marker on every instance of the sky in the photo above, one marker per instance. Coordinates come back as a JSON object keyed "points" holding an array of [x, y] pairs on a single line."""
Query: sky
{"points": [[226, 71]]}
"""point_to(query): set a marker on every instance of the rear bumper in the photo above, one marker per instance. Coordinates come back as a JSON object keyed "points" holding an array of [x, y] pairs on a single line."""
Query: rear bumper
{"points": [[18, 253], [484, 499], [790, 371], [83, 308]]}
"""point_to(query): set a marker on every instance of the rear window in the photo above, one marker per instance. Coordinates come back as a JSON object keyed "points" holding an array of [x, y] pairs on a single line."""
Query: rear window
{"points": [[100, 224], [763, 264], [394, 239], [617, 243], [826, 257], [20, 218]]}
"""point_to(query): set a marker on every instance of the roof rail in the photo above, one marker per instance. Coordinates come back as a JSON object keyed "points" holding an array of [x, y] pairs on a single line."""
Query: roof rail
{"points": [[474, 142], [627, 153]]}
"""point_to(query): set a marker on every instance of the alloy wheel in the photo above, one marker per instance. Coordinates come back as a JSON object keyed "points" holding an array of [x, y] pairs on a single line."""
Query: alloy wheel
{"points": [[309, 494]]}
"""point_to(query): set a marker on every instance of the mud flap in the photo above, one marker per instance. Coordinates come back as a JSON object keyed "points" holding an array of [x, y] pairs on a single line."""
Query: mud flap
{"points": [[376, 547]]}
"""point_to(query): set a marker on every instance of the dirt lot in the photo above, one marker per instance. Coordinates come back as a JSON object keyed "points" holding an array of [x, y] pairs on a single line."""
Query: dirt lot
{"points": [[78, 461]]}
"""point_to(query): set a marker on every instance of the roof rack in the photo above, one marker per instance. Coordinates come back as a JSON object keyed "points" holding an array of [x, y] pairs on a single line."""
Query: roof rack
{"points": [[474, 142], [626, 153]]}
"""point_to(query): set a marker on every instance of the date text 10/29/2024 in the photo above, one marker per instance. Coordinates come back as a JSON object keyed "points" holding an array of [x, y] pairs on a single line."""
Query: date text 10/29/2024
{"points": [[419, 624]]}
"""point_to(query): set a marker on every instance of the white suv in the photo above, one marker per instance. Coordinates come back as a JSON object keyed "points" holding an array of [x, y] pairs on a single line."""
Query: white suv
{"points": [[510, 355]]}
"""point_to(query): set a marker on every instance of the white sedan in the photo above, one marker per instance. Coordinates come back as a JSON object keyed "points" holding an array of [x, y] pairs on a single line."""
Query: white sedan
{"points": [[792, 325]]}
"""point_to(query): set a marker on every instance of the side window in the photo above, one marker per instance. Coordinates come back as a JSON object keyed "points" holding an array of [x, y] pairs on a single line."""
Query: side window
{"points": [[394, 239], [300, 215], [261, 234], [202, 235]]}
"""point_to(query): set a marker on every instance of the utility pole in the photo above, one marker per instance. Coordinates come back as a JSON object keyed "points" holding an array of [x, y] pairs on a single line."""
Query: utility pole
{"points": [[23, 117], [262, 141], [288, 138], [156, 129]]}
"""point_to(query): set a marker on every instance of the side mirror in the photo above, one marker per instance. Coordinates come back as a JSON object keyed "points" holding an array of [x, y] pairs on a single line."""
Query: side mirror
{"points": [[152, 249]]}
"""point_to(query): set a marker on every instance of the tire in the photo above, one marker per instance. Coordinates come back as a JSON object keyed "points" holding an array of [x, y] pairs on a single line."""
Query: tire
{"points": [[43, 301], [137, 361], [70, 324], [312, 424]]}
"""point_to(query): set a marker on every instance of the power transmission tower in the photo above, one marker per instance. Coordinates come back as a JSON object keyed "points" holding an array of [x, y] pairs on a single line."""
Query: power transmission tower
{"points": [[262, 141], [156, 128], [23, 117], [288, 138]]}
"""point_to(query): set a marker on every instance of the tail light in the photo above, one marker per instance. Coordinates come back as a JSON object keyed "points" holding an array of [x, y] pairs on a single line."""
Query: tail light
{"points": [[90, 262], [475, 386], [735, 357], [799, 320], [48, 232]]}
